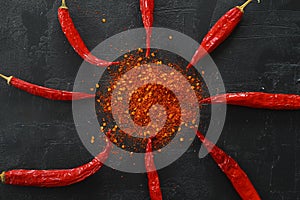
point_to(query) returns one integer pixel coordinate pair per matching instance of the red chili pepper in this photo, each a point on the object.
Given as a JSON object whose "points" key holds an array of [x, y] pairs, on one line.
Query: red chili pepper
{"points": [[219, 32], [75, 40], [230, 167], [147, 9], [257, 100], [44, 92], [153, 179], [55, 178]]}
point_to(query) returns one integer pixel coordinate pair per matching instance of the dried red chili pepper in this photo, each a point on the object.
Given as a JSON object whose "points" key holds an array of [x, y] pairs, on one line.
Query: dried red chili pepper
{"points": [[257, 100], [147, 8], [75, 40], [219, 32], [55, 178], [233, 171], [153, 179], [44, 92]]}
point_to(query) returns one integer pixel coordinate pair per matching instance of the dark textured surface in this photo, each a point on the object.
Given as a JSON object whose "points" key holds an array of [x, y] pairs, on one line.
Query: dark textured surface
{"points": [[261, 55]]}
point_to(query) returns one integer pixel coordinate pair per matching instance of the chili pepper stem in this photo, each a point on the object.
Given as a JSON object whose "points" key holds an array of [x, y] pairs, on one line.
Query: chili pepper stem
{"points": [[63, 4], [8, 79], [242, 7], [2, 177]]}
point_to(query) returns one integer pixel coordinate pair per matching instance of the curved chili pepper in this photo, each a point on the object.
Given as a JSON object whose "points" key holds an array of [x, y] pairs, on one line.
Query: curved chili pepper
{"points": [[75, 40], [55, 178], [257, 100], [233, 171], [147, 8], [153, 179], [44, 92], [219, 32]]}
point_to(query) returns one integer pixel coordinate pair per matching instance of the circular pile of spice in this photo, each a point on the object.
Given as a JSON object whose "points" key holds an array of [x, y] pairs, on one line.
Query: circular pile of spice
{"points": [[145, 100]]}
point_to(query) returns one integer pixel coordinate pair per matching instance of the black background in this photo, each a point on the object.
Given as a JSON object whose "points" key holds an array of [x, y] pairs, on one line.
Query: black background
{"points": [[261, 55]]}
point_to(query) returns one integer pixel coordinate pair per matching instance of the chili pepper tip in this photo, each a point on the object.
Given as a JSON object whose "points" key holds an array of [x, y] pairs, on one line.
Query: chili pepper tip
{"points": [[8, 79], [2, 177], [189, 66], [63, 4], [115, 63], [148, 53]]}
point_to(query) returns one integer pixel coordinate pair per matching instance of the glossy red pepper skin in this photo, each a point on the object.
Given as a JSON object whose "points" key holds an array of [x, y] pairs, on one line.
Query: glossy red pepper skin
{"points": [[48, 93], [75, 40], [232, 170], [153, 178], [217, 34], [55, 178], [257, 100], [147, 9]]}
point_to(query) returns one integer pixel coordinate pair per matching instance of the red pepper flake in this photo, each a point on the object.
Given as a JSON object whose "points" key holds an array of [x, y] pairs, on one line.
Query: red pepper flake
{"points": [[144, 98]]}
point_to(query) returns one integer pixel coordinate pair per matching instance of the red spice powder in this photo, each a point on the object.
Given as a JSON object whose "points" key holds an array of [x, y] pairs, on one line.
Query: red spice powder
{"points": [[143, 99]]}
